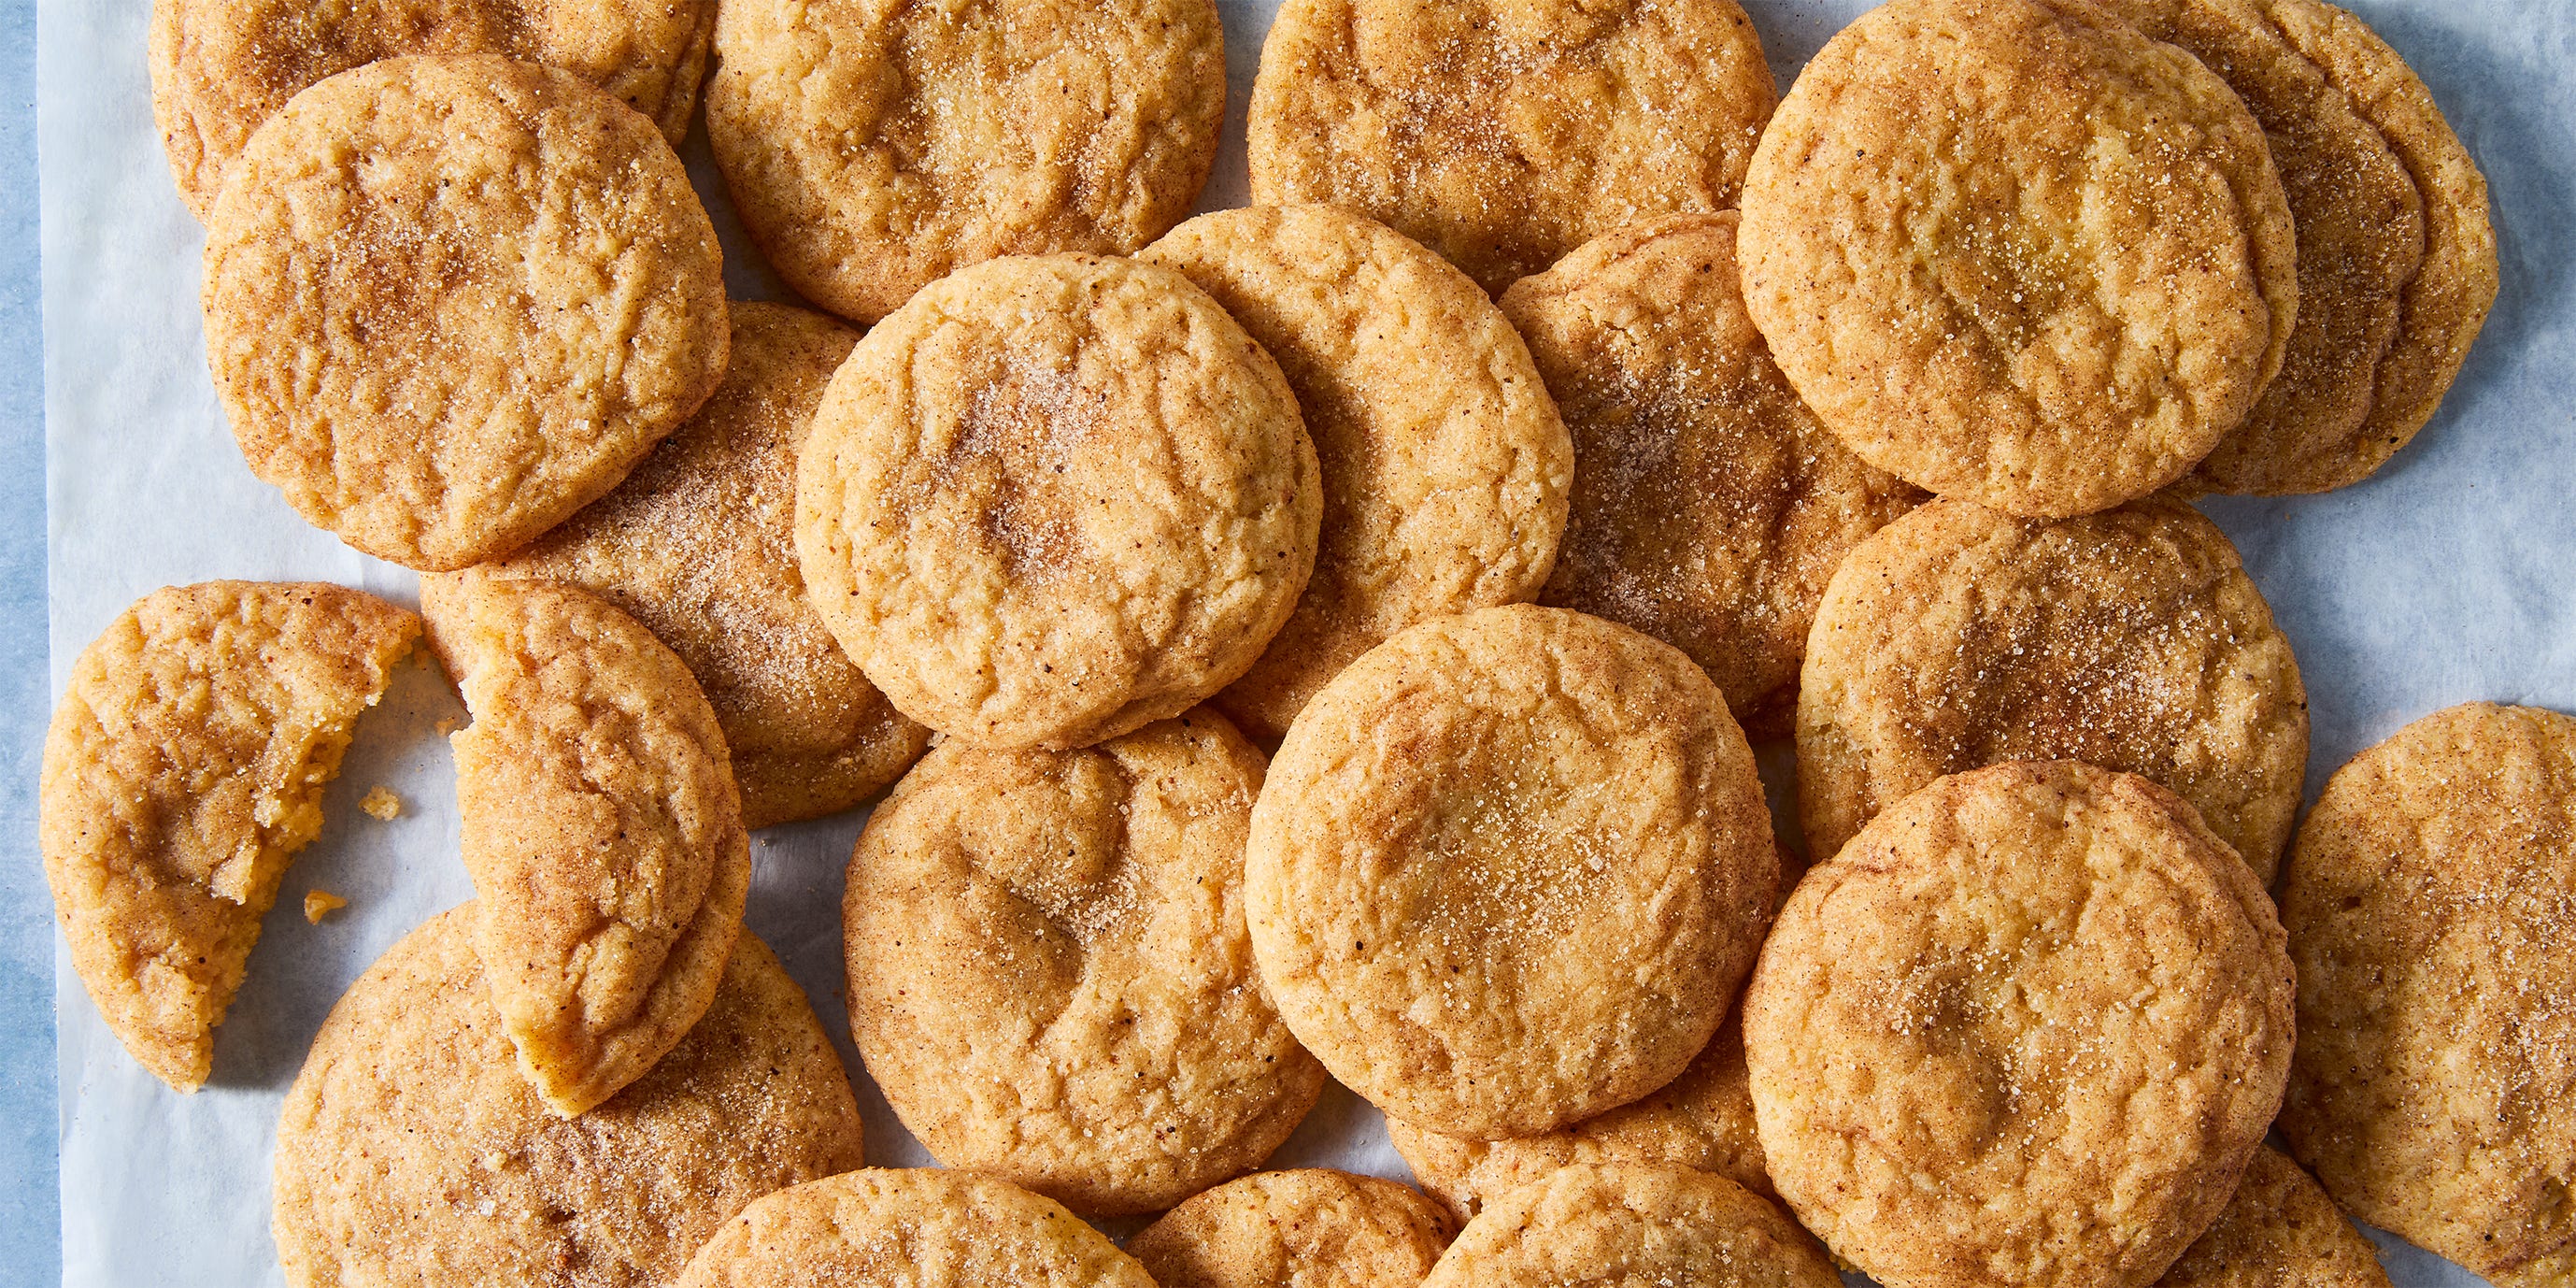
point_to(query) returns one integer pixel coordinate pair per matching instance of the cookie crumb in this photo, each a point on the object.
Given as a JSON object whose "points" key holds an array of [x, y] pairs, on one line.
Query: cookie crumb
{"points": [[446, 725], [322, 903], [381, 804]]}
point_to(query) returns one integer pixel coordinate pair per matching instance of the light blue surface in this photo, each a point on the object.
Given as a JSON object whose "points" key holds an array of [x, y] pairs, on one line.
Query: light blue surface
{"points": [[30, 1239]]}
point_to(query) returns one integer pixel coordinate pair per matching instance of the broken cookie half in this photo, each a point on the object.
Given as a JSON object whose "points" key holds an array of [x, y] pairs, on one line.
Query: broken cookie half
{"points": [[601, 825], [184, 768]]}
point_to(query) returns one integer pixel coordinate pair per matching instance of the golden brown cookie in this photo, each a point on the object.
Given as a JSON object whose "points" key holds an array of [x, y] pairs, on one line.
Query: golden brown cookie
{"points": [[699, 544], [2017, 252], [183, 769], [909, 1228], [2026, 1029], [2397, 262], [2280, 1231], [1311, 1228], [1445, 465], [1504, 133], [411, 1151], [1959, 637], [222, 67], [600, 826], [451, 300], [1055, 499], [1702, 1120], [1710, 506], [1509, 869], [1633, 1225], [2430, 899], [874, 147], [1050, 977]]}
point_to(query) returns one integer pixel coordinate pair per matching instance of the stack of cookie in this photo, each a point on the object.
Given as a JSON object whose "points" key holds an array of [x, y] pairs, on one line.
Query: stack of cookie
{"points": [[1329, 639]]}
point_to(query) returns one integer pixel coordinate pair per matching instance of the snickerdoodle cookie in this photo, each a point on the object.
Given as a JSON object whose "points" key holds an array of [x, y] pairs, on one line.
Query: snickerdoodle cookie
{"points": [[2017, 252], [1633, 1225], [873, 147], [411, 1151], [1710, 506], [1445, 465], [2026, 1029], [1509, 869], [1702, 1119], [2397, 261], [222, 67], [600, 826], [1959, 637], [909, 1228], [1054, 499], [699, 544], [2280, 1231], [1310, 1228], [1050, 976], [2430, 899], [451, 300], [183, 769], [1504, 133]]}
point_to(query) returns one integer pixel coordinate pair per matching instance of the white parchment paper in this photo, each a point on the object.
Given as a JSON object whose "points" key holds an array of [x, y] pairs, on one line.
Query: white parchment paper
{"points": [[2446, 578]]}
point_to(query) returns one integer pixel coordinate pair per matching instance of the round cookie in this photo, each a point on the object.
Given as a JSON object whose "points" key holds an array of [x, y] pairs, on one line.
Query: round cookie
{"points": [[699, 544], [451, 300], [411, 1150], [600, 825], [1701, 1120], [1311, 1228], [1959, 637], [1504, 133], [875, 147], [909, 1228], [1633, 1225], [1710, 506], [1050, 977], [2019, 253], [2026, 1029], [2280, 1231], [222, 67], [2430, 899], [2397, 261], [1445, 466], [182, 771], [1052, 500], [1509, 869]]}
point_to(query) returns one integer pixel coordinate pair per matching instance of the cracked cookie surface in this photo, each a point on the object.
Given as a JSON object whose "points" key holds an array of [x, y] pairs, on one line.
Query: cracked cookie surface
{"points": [[1307, 1228], [1633, 1225], [2280, 1231], [910, 1228]]}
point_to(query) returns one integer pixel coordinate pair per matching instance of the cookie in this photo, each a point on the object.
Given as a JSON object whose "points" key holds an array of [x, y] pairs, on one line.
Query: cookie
{"points": [[1312, 1228], [1053, 500], [1445, 465], [451, 300], [411, 1151], [1503, 135], [1709, 506], [2016, 252], [2280, 1231], [2430, 898], [1509, 869], [699, 545], [183, 769], [1958, 637], [1633, 1225], [2027, 1029], [600, 825], [1701, 1120], [874, 148], [2396, 257], [1050, 977], [909, 1228], [222, 67]]}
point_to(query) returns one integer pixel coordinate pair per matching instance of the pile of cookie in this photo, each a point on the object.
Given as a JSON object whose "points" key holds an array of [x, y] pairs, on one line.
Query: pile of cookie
{"points": [[1322, 639]]}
